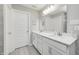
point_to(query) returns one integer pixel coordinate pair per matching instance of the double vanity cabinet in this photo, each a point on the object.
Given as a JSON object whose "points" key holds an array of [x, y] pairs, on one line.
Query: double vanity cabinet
{"points": [[51, 45]]}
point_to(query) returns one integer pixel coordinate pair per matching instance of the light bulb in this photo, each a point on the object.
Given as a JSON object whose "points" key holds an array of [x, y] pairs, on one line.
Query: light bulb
{"points": [[49, 9]]}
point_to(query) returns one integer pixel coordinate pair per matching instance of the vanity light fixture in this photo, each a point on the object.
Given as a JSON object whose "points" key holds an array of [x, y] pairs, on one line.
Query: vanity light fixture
{"points": [[49, 9]]}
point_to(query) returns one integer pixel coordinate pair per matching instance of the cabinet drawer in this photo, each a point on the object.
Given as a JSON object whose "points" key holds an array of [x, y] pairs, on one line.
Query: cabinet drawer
{"points": [[34, 39], [40, 44], [45, 48], [56, 44], [54, 51], [40, 47]]}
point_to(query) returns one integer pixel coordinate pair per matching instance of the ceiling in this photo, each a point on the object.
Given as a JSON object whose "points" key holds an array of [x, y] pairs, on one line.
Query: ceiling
{"points": [[37, 7]]}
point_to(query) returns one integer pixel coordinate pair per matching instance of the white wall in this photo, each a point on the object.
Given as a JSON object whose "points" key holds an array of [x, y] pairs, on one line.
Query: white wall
{"points": [[73, 21], [34, 16], [8, 30], [72, 15], [1, 30], [8, 26]]}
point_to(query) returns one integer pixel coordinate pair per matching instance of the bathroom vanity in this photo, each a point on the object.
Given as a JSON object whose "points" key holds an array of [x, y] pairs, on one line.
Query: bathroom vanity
{"points": [[52, 44]]}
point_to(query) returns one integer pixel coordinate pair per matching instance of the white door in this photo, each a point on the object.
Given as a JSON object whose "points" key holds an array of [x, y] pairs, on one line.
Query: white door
{"points": [[9, 42], [21, 28]]}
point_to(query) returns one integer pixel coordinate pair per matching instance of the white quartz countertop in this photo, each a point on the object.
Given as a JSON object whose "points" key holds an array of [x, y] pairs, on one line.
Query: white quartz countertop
{"points": [[65, 39]]}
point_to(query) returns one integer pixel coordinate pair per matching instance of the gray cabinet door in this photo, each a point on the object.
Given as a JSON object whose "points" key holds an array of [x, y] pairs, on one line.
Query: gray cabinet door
{"points": [[34, 39], [45, 47], [40, 44], [53, 48]]}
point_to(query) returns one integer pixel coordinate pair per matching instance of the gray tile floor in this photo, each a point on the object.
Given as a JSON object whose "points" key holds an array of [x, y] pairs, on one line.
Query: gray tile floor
{"points": [[26, 50]]}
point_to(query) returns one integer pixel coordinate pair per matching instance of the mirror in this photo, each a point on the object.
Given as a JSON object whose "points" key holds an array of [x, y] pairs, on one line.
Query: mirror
{"points": [[55, 20]]}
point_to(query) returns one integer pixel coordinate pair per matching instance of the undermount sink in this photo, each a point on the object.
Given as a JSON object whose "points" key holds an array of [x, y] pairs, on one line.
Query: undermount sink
{"points": [[57, 34], [52, 33]]}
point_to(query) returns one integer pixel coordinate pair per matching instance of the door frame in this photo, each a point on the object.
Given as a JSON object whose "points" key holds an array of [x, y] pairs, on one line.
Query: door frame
{"points": [[29, 27], [5, 8]]}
